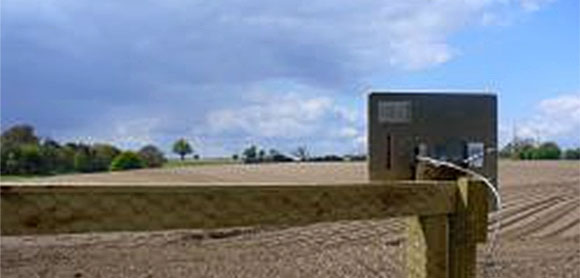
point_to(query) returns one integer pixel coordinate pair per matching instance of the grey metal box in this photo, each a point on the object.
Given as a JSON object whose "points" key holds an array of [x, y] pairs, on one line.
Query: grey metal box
{"points": [[441, 125]]}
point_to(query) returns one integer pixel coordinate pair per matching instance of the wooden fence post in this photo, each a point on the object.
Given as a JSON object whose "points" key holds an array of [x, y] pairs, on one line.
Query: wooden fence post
{"points": [[445, 219], [467, 227], [428, 236], [445, 246], [427, 246]]}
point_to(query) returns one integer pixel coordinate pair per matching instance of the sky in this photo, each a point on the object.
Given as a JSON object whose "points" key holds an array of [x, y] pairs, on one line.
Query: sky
{"points": [[280, 74]]}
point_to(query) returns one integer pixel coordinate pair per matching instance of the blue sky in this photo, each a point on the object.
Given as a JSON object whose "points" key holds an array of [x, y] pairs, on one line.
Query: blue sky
{"points": [[225, 74]]}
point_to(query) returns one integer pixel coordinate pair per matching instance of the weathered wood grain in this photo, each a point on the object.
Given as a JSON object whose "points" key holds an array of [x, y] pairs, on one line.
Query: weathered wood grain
{"points": [[427, 246], [45, 209], [467, 227]]}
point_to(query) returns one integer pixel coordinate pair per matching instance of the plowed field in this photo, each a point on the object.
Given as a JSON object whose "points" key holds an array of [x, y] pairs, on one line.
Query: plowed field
{"points": [[540, 235]]}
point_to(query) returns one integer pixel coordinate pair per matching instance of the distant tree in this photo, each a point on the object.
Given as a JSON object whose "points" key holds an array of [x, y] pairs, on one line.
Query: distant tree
{"points": [[88, 158], [572, 154], [23, 153], [330, 157], [276, 156], [250, 154], [49, 150], [333, 157], [83, 159], [50, 143], [151, 156], [279, 157], [548, 150], [82, 162], [273, 152], [235, 156], [261, 155], [506, 151], [102, 155], [518, 149], [29, 160], [65, 158], [4, 157], [302, 153], [182, 148], [526, 152], [196, 156], [19, 150], [359, 157], [73, 146], [19, 134], [10, 164], [126, 161]]}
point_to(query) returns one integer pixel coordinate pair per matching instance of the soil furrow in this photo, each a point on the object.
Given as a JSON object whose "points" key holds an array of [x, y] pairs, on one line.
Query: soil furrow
{"points": [[508, 212], [527, 212], [540, 220], [567, 222]]}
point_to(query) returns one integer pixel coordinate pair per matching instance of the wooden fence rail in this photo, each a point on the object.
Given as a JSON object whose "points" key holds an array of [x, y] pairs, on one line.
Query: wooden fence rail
{"points": [[446, 219]]}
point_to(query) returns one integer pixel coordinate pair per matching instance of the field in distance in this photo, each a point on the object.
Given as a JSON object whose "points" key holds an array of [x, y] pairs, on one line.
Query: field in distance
{"points": [[510, 173]]}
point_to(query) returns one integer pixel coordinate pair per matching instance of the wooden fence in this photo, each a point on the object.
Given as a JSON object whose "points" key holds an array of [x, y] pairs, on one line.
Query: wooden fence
{"points": [[446, 218]]}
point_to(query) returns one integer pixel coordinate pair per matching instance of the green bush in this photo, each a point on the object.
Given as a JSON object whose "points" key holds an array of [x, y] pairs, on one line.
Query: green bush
{"points": [[572, 154], [548, 150], [26, 160], [126, 161], [103, 155], [20, 153], [65, 160], [82, 161]]}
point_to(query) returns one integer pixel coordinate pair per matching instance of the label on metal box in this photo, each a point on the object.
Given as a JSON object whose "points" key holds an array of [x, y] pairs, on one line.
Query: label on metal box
{"points": [[394, 111], [475, 154]]}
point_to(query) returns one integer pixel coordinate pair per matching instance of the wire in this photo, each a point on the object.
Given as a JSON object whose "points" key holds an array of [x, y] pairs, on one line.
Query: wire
{"points": [[478, 155], [476, 175], [497, 227]]}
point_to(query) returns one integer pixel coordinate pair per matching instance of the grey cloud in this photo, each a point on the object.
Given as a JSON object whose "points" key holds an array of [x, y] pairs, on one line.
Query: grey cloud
{"points": [[81, 67]]}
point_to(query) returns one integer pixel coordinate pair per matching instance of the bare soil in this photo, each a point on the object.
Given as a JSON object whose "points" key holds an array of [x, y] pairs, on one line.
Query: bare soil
{"points": [[540, 235], [275, 172]]}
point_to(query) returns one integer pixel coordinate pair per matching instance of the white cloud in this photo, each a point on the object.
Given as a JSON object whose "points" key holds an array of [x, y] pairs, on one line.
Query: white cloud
{"points": [[361, 143], [505, 134], [191, 64], [415, 55], [135, 132], [284, 121], [348, 132], [557, 118], [288, 115], [533, 5], [566, 108], [126, 133]]}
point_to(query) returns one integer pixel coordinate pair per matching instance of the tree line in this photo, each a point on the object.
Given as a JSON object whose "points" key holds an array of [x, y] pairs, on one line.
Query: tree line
{"points": [[254, 154], [527, 149], [22, 152]]}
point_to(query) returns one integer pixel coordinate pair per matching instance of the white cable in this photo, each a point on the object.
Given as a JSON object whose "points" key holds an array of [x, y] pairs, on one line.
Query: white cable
{"points": [[478, 155], [467, 171], [478, 176]]}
